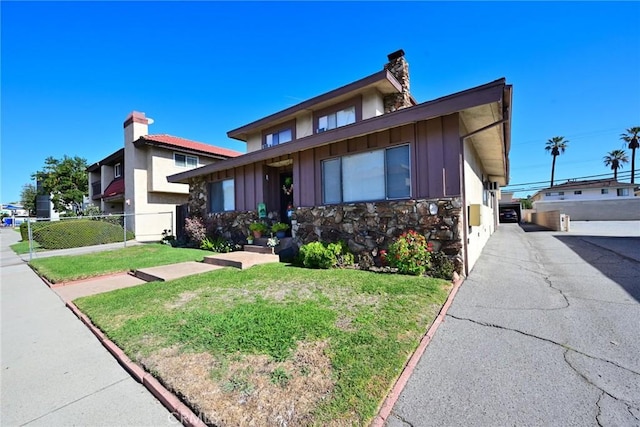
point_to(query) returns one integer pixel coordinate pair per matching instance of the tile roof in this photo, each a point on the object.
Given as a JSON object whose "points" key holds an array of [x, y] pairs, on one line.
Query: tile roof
{"points": [[115, 188], [175, 141]]}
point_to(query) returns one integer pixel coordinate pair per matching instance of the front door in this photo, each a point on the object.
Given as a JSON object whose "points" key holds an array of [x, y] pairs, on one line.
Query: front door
{"points": [[286, 196]]}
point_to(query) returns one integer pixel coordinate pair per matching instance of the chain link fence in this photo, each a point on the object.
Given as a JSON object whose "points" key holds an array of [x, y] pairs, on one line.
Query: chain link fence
{"points": [[94, 232]]}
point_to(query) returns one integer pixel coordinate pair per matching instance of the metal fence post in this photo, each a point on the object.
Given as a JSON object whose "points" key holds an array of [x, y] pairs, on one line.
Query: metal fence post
{"points": [[124, 228]]}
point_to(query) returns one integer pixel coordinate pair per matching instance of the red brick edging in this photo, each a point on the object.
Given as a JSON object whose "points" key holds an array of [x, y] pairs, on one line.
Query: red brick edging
{"points": [[394, 394], [178, 409]]}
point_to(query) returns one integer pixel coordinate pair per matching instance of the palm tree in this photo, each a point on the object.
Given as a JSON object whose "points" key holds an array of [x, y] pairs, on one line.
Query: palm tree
{"points": [[631, 137], [616, 159], [556, 145]]}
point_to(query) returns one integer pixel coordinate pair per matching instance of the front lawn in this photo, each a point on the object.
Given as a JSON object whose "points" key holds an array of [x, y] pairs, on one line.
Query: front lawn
{"points": [[74, 267], [274, 344]]}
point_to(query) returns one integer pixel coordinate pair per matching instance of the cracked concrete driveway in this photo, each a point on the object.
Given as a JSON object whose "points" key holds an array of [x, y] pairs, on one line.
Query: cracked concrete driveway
{"points": [[544, 331]]}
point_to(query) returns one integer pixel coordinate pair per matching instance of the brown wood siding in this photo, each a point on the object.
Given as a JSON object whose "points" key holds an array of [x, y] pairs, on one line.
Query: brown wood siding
{"points": [[452, 155], [307, 179]]}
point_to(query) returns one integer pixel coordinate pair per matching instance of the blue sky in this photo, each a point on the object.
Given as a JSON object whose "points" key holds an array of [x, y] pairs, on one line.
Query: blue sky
{"points": [[72, 72]]}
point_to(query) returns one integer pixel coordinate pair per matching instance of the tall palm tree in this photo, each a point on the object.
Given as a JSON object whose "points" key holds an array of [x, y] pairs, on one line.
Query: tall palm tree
{"points": [[556, 146], [631, 137], [616, 159]]}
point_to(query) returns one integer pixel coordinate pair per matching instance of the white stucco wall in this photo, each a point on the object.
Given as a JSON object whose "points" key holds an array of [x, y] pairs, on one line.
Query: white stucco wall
{"points": [[477, 236], [587, 194], [372, 104]]}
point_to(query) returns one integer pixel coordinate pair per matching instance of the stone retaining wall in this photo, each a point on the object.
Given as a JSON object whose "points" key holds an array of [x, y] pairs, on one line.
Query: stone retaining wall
{"points": [[369, 227]]}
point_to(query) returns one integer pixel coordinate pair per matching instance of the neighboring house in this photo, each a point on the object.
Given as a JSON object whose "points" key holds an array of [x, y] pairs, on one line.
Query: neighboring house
{"points": [[368, 162], [507, 201], [595, 200], [133, 180]]}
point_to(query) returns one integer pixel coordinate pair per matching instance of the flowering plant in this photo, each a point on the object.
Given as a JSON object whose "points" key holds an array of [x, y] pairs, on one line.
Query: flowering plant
{"points": [[288, 186], [410, 254], [273, 241]]}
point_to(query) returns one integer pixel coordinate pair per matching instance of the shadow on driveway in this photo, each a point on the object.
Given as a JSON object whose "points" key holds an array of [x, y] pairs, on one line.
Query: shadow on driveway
{"points": [[615, 257]]}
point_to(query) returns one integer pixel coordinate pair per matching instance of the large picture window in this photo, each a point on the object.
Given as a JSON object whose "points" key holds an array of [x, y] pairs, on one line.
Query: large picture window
{"points": [[375, 175], [222, 196]]}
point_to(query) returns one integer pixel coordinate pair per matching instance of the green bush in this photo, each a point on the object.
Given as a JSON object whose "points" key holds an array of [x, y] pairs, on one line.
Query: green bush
{"points": [[24, 228], [441, 266], [77, 233], [217, 244], [410, 254], [319, 255]]}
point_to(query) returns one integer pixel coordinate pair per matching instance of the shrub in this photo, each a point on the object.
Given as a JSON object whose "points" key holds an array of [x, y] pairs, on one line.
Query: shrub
{"points": [[441, 266], [410, 254], [24, 228], [217, 244], [196, 230], [77, 233], [318, 255], [258, 226]]}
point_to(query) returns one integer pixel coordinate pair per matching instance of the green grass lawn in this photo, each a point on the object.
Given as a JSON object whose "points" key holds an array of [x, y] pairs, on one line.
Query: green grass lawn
{"points": [[74, 267], [22, 247], [274, 343]]}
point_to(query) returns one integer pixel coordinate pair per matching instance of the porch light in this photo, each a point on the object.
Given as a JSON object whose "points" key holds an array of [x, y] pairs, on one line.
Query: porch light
{"points": [[433, 208]]}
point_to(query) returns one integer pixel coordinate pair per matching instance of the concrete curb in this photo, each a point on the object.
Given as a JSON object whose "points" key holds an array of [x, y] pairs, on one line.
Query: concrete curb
{"points": [[394, 394], [178, 409]]}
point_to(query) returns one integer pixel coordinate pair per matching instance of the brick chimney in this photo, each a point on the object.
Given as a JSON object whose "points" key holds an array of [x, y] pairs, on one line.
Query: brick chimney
{"points": [[399, 67], [136, 125]]}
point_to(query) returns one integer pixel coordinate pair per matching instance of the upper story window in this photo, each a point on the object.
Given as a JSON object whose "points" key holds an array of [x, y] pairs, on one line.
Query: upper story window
{"points": [[276, 138], [279, 134], [339, 118], [338, 115], [375, 175], [184, 161], [117, 170]]}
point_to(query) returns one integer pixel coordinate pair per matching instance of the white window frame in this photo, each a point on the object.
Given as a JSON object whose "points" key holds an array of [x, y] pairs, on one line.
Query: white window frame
{"points": [[117, 170], [622, 192], [604, 191], [276, 138], [187, 157]]}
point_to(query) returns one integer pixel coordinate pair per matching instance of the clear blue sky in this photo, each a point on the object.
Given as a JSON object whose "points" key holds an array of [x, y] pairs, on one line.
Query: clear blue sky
{"points": [[72, 72]]}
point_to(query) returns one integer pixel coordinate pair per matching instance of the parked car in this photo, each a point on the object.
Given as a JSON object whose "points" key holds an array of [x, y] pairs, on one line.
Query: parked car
{"points": [[508, 215]]}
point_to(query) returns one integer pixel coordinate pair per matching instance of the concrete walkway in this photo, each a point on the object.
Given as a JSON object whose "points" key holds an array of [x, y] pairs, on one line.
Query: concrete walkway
{"points": [[544, 331], [54, 371]]}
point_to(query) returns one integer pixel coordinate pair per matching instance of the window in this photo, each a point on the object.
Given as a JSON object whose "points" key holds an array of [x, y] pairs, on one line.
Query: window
{"points": [[604, 191], [622, 191], [276, 138], [375, 175], [560, 193], [335, 120], [547, 194], [577, 192], [117, 170], [184, 161], [222, 196]]}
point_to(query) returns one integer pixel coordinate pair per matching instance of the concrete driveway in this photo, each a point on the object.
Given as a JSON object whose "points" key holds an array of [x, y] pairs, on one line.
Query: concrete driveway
{"points": [[544, 331]]}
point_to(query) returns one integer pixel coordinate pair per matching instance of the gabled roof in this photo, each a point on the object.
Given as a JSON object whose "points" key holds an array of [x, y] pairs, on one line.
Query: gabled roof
{"points": [[383, 81], [496, 94], [170, 141]]}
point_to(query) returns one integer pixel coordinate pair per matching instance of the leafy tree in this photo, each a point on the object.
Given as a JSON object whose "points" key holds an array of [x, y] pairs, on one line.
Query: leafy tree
{"points": [[28, 198], [631, 137], [66, 180], [526, 203], [556, 146], [616, 159]]}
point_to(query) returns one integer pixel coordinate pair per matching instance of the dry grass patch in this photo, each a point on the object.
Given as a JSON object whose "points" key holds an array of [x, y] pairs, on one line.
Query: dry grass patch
{"points": [[248, 389]]}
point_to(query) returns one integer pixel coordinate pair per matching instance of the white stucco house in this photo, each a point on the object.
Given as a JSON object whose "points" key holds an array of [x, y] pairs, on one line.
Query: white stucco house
{"points": [[133, 179], [590, 200]]}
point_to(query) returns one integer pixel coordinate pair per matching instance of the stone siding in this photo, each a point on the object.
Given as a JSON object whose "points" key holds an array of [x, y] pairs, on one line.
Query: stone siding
{"points": [[369, 227]]}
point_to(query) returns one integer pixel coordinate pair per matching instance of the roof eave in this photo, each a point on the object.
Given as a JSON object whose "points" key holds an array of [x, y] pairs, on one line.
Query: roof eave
{"points": [[384, 75], [144, 141], [488, 93]]}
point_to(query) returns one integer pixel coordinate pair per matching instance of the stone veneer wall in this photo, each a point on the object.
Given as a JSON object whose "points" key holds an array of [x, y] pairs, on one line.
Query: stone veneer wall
{"points": [[369, 227], [197, 201], [399, 67]]}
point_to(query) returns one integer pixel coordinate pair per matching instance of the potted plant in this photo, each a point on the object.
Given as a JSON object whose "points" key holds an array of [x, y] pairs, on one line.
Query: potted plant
{"points": [[280, 229], [258, 228], [250, 239]]}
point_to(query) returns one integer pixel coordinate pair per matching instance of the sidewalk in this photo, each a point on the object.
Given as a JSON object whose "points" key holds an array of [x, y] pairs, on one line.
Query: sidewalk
{"points": [[54, 371]]}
